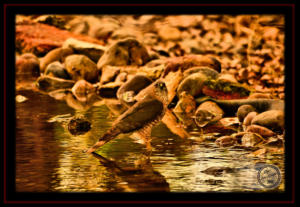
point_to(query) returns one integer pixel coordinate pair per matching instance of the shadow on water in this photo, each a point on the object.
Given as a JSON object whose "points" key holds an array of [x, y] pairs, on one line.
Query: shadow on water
{"points": [[49, 158]]}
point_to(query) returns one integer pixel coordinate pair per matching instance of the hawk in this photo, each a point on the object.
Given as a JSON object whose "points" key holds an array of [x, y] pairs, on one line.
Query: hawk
{"points": [[141, 117]]}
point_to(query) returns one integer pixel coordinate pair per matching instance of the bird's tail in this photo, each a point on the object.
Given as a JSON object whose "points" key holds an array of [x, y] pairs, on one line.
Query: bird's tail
{"points": [[109, 135]]}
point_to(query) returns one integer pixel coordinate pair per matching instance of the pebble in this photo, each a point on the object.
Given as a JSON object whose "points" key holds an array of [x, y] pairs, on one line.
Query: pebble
{"points": [[243, 111], [56, 69]]}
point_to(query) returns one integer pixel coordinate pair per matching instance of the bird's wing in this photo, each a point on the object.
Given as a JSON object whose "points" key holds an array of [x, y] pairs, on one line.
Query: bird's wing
{"points": [[139, 115]]}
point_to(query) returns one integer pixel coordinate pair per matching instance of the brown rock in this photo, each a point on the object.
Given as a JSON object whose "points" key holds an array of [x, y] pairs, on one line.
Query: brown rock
{"points": [[248, 119], [250, 140], [40, 38], [48, 83], [124, 52], [263, 131], [272, 119], [226, 141], [81, 67], [28, 64], [185, 62], [82, 89], [243, 111], [57, 54]]}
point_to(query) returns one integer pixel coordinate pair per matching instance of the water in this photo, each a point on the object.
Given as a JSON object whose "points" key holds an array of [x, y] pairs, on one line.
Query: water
{"points": [[50, 159]]}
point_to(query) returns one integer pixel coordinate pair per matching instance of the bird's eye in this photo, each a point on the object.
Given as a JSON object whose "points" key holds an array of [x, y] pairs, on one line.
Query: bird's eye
{"points": [[161, 85]]}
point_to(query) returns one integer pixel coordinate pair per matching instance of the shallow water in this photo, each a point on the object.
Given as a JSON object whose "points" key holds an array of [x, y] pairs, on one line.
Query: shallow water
{"points": [[49, 158]]}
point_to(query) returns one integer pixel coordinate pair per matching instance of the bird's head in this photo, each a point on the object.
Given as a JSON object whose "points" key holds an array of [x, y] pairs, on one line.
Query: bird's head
{"points": [[161, 90]]}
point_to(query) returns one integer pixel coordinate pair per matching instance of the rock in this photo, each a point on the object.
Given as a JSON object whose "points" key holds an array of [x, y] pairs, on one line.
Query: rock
{"points": [[243, 111], [48, 83], [40, 38], [248, 119], [91, 50], [28, 64], [20, 98], [272, 119], [192, 84], [185, 109], [259, 95], [78, 125], [81, 67], [124, 52], [122, 77], [250, 140], [227, 78], [209, 72], [263, 131], [208, 112], [109, 90], [57, 54], [188, 61], [226, 141], [109, 73], [135, 85], [82, 89], [169, 33], [56, 69], [225, 90]]}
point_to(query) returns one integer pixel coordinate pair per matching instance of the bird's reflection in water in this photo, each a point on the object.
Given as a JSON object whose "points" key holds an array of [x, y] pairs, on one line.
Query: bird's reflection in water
{"points": [[142, 178]]}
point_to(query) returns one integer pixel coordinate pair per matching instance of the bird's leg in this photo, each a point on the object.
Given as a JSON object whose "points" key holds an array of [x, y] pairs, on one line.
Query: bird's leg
{"points": [[145, 135]]}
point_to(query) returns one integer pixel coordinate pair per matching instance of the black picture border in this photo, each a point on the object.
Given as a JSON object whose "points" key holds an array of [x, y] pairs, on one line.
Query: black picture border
{"points": [[10, 196]]}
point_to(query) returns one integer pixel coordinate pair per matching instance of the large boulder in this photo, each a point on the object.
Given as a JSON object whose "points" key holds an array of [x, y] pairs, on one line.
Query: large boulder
{"points": [[91, 50], [272, 119], [57, 69], [124, 52], [81, 67]]}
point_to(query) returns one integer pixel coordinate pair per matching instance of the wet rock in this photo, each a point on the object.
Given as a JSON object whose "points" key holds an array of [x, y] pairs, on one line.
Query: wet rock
{"points": [[274, 142], [225, 90], [79, 125], [263, 131], [248, 119], [250, 140], [243, 111], [188, 61], [135, 84], [226, 141], [208, 112], [185, 109], [20, 98], [218, 171], [169, 33], [91, 50], [49, 83], [40, 38], [56, 69], [192, 84], [259, 95], [209, 72], [57, 54], [109, 73], [28, 64], [122, 77], [109, 90], [82, 89], [272, 119], [81, 67], [124, 52], [227, 78]]}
